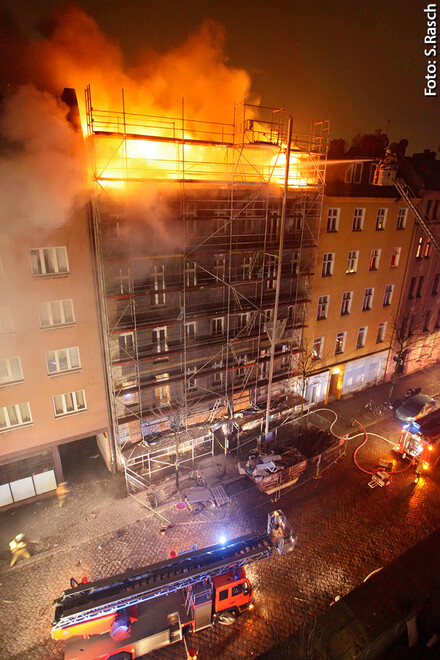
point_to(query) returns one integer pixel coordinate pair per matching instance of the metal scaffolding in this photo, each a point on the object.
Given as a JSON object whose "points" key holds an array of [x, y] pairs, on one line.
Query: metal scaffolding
{"points": [[193, 260]]}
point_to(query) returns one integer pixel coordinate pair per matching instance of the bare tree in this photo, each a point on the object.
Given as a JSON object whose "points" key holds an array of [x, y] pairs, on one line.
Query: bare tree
{"points": [[407, 330]]}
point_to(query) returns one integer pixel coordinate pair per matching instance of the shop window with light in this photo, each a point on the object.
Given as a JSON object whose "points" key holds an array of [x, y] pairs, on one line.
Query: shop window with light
{"points": [[361, 337], [323, 304], [388, 296], [10, 371], [62, 360], [381, 219], [374, 259], [419, 248], [328, 262], [428, 248], [49, 261], [159, 284], [395, 257], [381, 330], [368, 299], [347, 298], [358, 219], [435, 284], [352, 261], [56, 313], [340, 342], [67, 404], [333, 220], [317, 348], [401, 218], [15, 416]]}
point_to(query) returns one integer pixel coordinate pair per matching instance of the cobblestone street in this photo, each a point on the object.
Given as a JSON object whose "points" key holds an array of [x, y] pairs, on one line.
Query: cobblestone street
{"points": [[345, 531]]}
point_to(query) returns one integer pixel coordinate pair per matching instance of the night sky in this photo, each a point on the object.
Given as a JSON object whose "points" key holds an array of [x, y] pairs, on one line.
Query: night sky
{"points": [[360, 64]]}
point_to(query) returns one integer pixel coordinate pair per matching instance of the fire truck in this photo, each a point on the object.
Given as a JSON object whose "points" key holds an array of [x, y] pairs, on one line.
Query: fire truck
{"points": [[421, 439], [131, 614]]}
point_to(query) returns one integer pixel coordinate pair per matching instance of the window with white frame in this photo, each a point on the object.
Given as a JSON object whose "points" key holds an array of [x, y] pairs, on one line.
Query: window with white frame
{"points": [[122, 279], [159, 284], [328, 262], [217, 376], [271, 269], [354, 173], [126, 344], [401, 218], [217, 326], [55, 313], [323, 304], [333, 219], [317, 348], [347, 298], [15, 416], [381, 219], [64, 359], [6, 321], [374, 259], [190, 274], [162, 391], [69, 403], [395, 257], [361, 337], [352, 261], [358, 219], [190, 378], [340, 342], [159, 337], [219, 268], [381, 331], [246, 267], [190, 330], [10, 371], [388, 296], [368, 299], [49, 261], [243, 320]]}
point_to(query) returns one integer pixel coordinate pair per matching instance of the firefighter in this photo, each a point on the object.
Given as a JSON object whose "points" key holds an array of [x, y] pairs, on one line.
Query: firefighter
{"points": [[18, 549], [62, 492], [419, 470]]}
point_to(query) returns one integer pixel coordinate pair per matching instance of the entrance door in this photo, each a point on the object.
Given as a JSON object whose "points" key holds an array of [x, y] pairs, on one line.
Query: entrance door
{"points": [[334, 380]]}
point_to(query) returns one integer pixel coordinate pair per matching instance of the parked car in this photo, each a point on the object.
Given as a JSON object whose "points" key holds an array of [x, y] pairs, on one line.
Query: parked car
{"points": [[414, 407]]}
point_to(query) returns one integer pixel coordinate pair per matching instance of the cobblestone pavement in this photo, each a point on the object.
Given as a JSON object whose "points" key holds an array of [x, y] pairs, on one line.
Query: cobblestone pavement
{"points": [[345, 531]]}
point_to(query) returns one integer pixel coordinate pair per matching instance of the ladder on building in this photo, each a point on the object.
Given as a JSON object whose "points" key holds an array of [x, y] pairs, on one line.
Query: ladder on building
{"points": [[216, 406], [408, 195]]}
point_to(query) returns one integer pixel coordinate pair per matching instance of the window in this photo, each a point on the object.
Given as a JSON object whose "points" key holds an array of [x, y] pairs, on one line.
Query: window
{"points": [[420, 287], [428, 248], [190, 331], [323, 307], [237, 590], [65, 359], [328, 262], [218, 375], [67, 404], [126, 344], [358, 219], [412, 287], [401, 218], [368, 300], [223, 594], [217, 326], [243, 320], [219, 268], [437, 320], [361, 338], [317, 348], [380, 219], [388, 295], [333, 219], [395, 257], [352, 261], [190, 378], [340, 342], [6, 322], [426, 321], [434, 291], [55, 313], [271, 273], [347, 298], [374, 259], [159, 285], [354, 173], [190, 274], [14, 416], [246, 267], [159, 336], [49, 261], [162, 392], [10, 371], [381, 330], [419, 248]]}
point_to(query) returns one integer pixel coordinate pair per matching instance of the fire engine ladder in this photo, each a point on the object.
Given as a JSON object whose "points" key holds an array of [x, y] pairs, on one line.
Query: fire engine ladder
{"points": [[106, 597], [407, 194]]}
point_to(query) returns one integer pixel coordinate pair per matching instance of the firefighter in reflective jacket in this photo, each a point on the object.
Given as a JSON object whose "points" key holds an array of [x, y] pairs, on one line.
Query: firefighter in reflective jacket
{"points": [[62, 492], [18, 549]]}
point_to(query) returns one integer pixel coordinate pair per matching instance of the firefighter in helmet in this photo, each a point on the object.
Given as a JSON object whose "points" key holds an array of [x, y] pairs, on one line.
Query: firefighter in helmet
{"points": [[62, 492], [18, 549]]}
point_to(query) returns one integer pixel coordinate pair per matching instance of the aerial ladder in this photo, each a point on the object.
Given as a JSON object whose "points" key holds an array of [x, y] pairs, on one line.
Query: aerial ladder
{"points": [[129, 615], [386, 175]]}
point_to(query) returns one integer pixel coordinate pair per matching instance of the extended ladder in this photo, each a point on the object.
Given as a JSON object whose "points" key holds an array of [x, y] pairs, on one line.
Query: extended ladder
{"points": [[407, 194]]}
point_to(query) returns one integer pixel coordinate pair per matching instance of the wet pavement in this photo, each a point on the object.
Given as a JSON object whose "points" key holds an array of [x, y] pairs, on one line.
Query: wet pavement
{"points": [[345, 531]]}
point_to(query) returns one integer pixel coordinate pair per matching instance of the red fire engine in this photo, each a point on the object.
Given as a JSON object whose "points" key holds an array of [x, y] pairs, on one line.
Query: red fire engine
{"points": [[421, 439], [131, 614]]}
